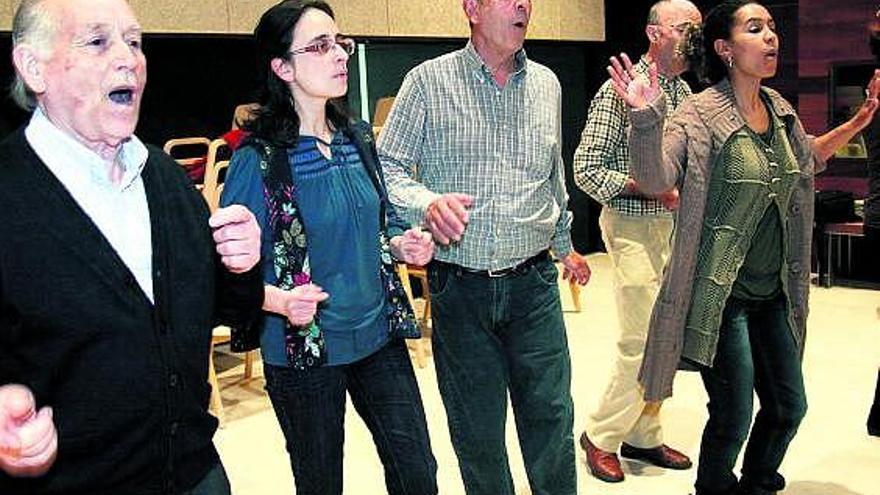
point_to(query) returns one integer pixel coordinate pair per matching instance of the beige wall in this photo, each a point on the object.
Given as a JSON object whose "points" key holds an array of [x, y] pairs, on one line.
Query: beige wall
{"points": [[5, 15], [552, 19]]}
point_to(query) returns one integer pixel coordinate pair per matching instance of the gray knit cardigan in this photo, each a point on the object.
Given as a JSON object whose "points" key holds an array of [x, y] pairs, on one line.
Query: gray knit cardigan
{"points": [[692, 139]]}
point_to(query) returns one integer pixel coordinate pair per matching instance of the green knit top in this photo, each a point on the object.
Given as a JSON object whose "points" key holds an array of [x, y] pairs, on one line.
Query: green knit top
{"points": [[741, 249]]}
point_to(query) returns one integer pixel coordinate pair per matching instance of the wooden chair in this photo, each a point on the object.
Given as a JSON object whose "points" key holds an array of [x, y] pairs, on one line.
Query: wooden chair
{"points": [[575, 289], [214, 172], [420, 347], [189, 152], [213, 187], [380, 114], [383, 108]]}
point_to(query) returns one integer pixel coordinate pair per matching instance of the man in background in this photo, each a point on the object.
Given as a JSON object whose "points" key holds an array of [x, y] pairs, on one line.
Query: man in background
{"points": [[637, 231]]}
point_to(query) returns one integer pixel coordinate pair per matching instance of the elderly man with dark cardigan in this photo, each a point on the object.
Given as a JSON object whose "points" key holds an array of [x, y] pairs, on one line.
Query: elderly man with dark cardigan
{"points": [[110, 280]]}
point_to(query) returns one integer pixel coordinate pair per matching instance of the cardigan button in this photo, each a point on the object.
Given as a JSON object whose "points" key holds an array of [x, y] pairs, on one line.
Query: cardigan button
{"points": [[173, 379]]}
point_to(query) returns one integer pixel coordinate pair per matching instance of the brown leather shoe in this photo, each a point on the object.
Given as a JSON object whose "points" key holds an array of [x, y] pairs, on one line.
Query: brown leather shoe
{"points": [[603, 465], [663, 456]]}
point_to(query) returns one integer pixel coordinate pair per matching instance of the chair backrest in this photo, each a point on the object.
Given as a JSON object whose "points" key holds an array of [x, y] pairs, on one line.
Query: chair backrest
{"points": [[218, 154], [214, 177], [191, 153], [380, 114]]}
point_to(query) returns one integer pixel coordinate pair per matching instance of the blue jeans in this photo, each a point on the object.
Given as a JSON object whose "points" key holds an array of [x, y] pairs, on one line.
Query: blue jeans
{"points": [[214, 483], [492, 336], [310, 407], [756, 352]]}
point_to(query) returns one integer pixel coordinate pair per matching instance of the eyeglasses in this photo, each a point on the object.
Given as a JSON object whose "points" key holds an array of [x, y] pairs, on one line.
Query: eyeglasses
{"points": [[323, 46], [680, 28]]}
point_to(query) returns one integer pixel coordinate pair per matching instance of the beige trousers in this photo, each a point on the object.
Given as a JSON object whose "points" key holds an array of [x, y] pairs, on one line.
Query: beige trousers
{"points": [[638, 247]]}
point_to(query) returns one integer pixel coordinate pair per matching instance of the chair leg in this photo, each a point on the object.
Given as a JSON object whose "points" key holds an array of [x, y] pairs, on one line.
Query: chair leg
{"points": [[575, 294], [216, 403], [249, 364], [426, 294]]}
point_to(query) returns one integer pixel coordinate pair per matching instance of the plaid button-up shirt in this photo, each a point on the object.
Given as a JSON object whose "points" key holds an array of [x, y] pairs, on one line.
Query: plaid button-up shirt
{"points": [[601, 161], [453, 129]]}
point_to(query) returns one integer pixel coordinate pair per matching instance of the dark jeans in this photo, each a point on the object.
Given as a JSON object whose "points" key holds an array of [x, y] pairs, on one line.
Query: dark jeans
{"points": [[214, 483], [310, 406], [756, 352], [491, 336], [874, 414]]}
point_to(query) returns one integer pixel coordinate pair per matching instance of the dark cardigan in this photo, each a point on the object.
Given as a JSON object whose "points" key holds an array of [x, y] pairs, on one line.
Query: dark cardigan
{"points": [[127, 379]]}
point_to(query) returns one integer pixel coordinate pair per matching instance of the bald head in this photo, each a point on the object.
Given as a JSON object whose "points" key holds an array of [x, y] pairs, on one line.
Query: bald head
{"points": [[669, 25], [662, 6]]}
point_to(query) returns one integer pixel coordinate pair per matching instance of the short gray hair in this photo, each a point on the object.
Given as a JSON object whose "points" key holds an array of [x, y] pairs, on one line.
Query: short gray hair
{"points": [[35, 25]]}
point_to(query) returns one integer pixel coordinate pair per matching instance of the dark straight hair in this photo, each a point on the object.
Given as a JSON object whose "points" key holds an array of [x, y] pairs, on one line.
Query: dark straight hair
{"points": [[276, 119], [717, 26]]}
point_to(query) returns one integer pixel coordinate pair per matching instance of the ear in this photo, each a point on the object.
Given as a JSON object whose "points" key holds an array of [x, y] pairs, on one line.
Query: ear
{"points": [[470, 9], [283, 69], [653, 33], [722, 48], [29, 67]]}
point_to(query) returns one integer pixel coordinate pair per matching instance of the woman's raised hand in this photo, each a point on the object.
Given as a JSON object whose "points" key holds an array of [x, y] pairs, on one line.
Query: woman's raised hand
{"points": [[865, 114], [636, 90]]}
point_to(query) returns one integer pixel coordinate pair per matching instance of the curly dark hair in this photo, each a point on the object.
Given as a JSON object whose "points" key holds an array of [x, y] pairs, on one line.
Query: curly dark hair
{"points": [[717, 26], [276, 119]]}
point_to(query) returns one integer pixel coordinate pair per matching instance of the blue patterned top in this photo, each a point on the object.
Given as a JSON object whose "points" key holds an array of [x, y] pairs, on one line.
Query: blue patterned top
{"points": [[340, 209]]}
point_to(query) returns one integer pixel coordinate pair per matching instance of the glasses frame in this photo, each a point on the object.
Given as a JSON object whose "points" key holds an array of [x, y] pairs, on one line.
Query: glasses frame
{"points": [[680, 28], [325, 45]]}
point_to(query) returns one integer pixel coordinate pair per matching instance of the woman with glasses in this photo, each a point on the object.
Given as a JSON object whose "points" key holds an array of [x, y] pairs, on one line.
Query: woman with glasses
{"points": [[733, 302], [336, 314]]}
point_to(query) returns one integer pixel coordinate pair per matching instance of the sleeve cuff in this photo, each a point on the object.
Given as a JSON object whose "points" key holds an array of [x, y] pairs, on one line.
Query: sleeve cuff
{"points": [[650, 115]]}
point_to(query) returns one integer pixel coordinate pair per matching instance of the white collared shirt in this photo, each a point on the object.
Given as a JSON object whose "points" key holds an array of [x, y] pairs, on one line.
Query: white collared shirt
{"points": [[120, 211]]}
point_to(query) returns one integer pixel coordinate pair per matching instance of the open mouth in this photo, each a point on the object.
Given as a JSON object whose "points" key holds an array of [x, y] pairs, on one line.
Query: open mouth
{"points": [[520, 24], [122, 96]]}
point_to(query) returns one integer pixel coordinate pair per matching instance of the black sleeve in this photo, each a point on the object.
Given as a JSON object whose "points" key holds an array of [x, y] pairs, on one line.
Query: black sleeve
{"points": [[239, 296]]}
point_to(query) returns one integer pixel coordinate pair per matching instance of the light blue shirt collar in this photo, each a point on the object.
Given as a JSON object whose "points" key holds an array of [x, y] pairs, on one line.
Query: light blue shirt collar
{"points": [[74, 164]]}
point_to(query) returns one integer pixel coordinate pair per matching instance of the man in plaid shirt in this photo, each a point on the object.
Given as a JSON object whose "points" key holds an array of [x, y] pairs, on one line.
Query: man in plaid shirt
{"points": [[482, 127], [637, 231]]}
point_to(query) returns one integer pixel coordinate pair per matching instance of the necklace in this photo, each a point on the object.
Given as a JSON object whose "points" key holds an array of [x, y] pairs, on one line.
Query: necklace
{"points": [[320, 140]]}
